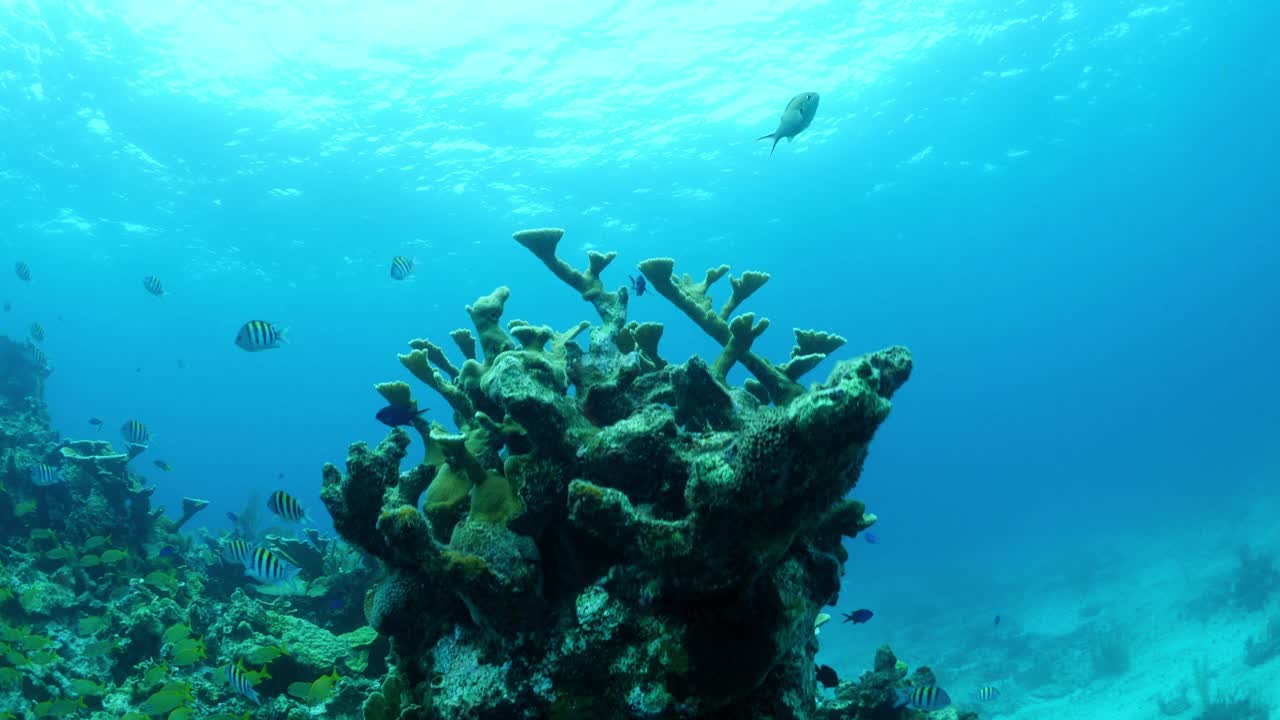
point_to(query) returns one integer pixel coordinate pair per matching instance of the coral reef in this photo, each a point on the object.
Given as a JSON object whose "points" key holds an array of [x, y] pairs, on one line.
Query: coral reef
{"points": [[107, 611], [1256, 579], [1263, 648], [610, 534]]}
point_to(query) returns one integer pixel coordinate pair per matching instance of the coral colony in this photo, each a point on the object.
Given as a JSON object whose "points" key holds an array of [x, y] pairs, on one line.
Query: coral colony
{"points": [[608, 534]]}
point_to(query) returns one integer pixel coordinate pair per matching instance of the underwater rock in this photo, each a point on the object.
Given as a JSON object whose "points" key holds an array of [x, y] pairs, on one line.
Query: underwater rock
{"points": [[609, 534]]}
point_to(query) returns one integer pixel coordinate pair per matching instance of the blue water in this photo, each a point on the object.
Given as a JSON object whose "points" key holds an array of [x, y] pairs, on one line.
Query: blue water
{"points": [[1066, 209]]}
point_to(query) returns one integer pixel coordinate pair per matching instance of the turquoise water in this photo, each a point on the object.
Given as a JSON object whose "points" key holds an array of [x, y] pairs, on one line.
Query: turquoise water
{"points": [[1066, 209]]}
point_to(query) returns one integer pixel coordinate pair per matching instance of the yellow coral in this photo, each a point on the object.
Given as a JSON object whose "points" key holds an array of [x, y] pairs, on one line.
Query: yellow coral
{"points": [[493, 501]]}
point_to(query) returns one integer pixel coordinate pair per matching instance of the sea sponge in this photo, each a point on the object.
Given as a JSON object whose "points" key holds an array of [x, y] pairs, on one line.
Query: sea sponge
{"points": [[493, 501]]}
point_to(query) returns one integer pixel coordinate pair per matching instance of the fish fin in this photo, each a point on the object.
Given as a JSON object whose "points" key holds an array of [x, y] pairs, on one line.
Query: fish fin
{"points": [[283, 335], [765, 137], [775, 146]]}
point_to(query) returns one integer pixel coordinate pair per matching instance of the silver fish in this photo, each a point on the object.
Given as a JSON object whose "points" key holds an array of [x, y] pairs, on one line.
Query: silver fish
{"points": [[795, 118]]}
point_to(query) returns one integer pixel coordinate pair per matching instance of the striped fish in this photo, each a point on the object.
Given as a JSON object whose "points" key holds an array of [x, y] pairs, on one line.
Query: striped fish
{"points": [[238, 551], [37, 331], [24, 272], [401, 267], [987, 693], [37, 356], [241, 683], [135, 433], [258, 335], [45, 475], [286, 506], [264, 566], [153, 285], [928, 697]]}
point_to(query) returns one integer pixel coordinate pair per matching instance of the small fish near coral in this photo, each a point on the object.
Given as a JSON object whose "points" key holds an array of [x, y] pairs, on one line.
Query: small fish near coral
{"points": [[286, 506], [23, 271], [163, 466], [858, 616], [827, 676], [794, 120], [928, 697], [871, 538], [398, 415], [259, 335], [135, 433], [638, 285], [987, 693], [96, 422]]}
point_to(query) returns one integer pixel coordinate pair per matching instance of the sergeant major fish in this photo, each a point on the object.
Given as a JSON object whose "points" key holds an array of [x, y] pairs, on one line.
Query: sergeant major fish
{"points": [[401, 267], [795, 118], [135, 433], [265, 567], [153, 285], [239, 681], [286, 506], [928, 697], [257, 335], [23, 271]]}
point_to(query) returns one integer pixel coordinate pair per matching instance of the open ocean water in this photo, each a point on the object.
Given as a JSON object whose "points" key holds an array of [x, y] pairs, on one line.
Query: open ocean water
{"points": [[1069, 211]]}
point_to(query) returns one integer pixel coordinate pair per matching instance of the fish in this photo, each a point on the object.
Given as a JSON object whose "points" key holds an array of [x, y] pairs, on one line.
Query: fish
{"points": [[265, 567], [96, 542], [23, 270], [113, 556], [86, 687], [26, 507], [397, 415], [36, 356], [155, 675], [152, 284], [237, 550], [266, 654], [167, 551], [315, 693], [401, 267], [45, 475], [100, 648], [827, 676], [258, 335], [175, 633], [8, 306], [90, 625], [795, 119], [928, 697], [189, 652], [987, 693], [135, 433], [997, 622], [37, 332], [163, 465], [858, 616], [871, 538], [286, 506], [638, 285], [241, 683], [96, 422]]}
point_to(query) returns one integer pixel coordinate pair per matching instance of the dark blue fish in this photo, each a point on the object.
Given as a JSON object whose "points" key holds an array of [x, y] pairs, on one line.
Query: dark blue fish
{"points": [[96, 422], [997, 622], [396, 415], [8, 306], [858, 616], [638, 285], [827, 676], [871, 538], [168, 551], [335, 604]]}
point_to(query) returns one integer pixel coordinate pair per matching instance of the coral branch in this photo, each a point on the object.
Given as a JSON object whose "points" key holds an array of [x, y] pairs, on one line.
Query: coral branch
{"points": [[743, 288]]}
